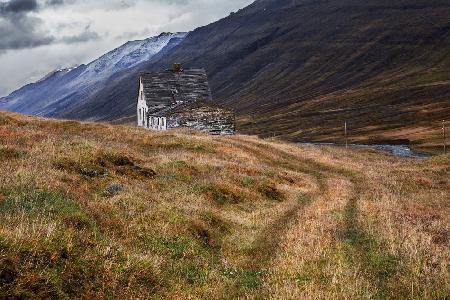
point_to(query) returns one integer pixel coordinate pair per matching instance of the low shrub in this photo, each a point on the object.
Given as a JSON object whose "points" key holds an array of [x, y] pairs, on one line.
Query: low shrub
{"points": [[5, 120], [223, 195], [270, 191], [8, 153], [103, 164], [86, 169]]}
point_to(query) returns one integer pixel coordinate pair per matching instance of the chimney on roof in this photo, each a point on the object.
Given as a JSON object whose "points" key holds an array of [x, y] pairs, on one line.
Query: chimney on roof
{"points": [[177, 68]]}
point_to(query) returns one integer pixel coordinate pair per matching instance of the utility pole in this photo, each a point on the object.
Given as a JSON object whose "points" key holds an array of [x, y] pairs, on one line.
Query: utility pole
{"points": [[444, 140], [346, 136]]}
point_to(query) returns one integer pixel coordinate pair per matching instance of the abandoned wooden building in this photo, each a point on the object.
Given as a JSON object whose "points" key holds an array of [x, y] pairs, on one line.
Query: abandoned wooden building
{"points": [[177, 98]]}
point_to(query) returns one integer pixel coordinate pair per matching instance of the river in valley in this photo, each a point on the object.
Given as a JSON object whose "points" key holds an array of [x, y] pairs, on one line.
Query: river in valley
{"points": [[397, 150]]}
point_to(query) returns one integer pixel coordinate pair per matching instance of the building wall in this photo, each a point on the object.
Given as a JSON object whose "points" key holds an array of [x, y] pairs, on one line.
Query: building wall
{"points": [[157, 123], [214, 121]]}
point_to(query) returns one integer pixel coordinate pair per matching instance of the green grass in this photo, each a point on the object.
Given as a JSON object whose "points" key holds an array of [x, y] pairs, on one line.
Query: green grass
{"points": [[377, 262], [37, 203], [67, 263], [314, 271]]}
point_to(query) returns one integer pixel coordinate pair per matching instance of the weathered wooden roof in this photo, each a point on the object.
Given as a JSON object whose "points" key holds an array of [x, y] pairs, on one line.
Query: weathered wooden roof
{"points": [[166, 89]]}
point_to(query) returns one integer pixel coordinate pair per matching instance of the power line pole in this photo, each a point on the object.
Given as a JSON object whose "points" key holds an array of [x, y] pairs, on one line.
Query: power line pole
{"points": [[444, 140]]}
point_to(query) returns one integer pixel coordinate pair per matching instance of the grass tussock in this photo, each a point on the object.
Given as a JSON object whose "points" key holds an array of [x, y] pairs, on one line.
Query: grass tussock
{"points": [[102, 165], [98, 211], [10, 153], [270, 191]]}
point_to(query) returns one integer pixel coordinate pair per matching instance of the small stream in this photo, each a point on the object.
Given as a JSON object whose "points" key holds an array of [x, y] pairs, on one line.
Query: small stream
{"points": [[397, 150]]}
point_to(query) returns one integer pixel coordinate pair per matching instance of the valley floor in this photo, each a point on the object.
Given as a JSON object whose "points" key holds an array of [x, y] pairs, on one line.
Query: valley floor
{"points": [[101, 211]]}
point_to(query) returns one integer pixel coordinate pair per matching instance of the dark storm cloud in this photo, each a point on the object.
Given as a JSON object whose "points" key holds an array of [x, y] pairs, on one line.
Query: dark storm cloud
{"points": [[17, 7], [20, 33], [20, 30]]}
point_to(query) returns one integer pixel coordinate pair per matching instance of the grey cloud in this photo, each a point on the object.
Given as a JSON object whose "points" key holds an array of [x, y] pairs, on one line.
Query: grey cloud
{"points": [[17, 7], [86, 36], [20, 33], [128, 35], [18, 30], [113, 5], [54, 2]]}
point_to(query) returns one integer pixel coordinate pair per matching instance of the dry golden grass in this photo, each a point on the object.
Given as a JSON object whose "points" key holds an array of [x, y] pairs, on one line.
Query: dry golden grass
{"points": [[214, 217]]}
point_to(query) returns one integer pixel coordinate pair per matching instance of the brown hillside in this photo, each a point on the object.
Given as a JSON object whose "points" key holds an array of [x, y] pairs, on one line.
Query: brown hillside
{"points": [[94, 211]]}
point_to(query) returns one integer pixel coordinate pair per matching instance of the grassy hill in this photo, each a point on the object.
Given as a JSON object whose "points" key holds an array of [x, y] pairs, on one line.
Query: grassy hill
{"points": [[101, 211]]}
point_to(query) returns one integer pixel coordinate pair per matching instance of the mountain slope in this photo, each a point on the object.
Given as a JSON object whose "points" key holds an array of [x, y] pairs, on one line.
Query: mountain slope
{"points": [[32, 97], [109, 102], [95, 211], [62, 89], [300, 68]]}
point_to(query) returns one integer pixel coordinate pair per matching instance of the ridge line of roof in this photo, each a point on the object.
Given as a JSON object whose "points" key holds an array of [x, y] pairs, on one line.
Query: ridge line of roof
{"points": [[169, 70]]}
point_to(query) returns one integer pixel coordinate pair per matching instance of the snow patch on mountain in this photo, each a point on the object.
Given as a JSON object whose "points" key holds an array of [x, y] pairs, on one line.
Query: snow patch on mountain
{"points": [[126, 56], [67, 86], [59, 72]]}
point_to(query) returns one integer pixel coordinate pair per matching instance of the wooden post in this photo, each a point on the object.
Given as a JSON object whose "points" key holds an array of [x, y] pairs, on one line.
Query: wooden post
{"points": [[346, 136], [444, 140]]}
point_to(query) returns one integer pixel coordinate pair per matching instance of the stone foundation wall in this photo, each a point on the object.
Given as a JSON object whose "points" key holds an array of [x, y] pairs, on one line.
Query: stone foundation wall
{"points": [[215, 121]]}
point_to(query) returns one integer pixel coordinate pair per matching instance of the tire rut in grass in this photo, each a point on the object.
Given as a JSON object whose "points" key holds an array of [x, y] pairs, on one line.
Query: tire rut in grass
{"points": [[284, 161], [380, 266], [268, 241], [363, 249], [265, 246]]}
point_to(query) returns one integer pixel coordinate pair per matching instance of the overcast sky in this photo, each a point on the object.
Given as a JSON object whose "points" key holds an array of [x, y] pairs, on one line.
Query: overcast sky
{"points": [[38, 36]]}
